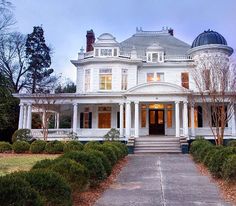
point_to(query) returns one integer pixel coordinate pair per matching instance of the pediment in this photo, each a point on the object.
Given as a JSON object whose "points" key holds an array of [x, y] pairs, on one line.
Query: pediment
{"points": [[157, 88]]}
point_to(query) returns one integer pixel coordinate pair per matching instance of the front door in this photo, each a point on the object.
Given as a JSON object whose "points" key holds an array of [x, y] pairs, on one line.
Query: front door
{"points": [[156, 122]]}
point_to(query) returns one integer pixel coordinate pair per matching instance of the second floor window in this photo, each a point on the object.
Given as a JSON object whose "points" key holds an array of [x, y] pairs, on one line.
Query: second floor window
{"points": [[155, 77], [124, 79], [105, 78], [87, 80], [185, 80]]}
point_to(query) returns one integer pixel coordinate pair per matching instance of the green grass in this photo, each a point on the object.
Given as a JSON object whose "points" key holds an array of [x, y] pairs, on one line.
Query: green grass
{"points": [[23, 162]]}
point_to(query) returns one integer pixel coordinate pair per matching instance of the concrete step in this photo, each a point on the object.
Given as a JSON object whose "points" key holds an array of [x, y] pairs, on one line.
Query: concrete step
{"points": [[156, 151], [157, 140], [157, 143]]}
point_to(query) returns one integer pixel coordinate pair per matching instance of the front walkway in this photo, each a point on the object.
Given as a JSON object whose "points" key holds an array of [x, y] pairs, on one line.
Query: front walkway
{"points": [[167, 179]]}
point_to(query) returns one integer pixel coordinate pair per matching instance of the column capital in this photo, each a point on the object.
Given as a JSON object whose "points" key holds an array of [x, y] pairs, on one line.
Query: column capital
{"points": [[121, 103], [185, 102], [136, 102], [128, 102], [75, 104], [21, 104], [29, 104], [176, 102]]}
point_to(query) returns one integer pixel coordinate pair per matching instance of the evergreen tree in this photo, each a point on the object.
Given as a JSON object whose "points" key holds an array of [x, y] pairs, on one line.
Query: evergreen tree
{"points": [[39, 60]]}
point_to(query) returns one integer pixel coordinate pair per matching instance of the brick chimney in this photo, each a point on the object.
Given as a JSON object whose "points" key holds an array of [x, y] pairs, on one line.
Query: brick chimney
{"points": [[90, 40], [171, 31]]}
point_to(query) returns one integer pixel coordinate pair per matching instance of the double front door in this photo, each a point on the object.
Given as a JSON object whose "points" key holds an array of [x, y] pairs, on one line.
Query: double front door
{"points": [[156, 122]]}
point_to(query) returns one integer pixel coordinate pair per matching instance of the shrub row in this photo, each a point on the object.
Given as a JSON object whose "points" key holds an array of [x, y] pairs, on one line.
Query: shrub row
{"points": [[51, 182], [220, 160], [40, 146]]}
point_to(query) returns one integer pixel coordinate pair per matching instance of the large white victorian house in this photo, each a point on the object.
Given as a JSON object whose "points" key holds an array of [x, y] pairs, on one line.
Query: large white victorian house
{"points": [[141, 86]]}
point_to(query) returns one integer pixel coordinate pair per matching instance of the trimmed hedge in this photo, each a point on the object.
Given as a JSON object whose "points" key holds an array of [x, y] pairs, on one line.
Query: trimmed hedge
{"points": [[105, 161], [73, 146], [232, 143], [37, 146], [5, 147], [75, 174], [16, 191], [43, 164], [22, 135], [93, 163], [229, 168], [20, 146], [220, 160], [217, 160], [54, 147], [52, 187], [92, 145], [109, 153]]}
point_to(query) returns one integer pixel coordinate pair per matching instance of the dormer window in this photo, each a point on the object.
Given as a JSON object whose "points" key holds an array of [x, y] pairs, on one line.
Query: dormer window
{"points": [[155, 53], [106, 52]]}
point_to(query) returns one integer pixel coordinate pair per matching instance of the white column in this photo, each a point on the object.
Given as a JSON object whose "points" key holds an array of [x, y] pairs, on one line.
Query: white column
{"points": [[58, 120], [29, 116], [233, 122], [192, 120], [25, 117], [185, 118], [177, 123], [75, 112], [127, 120], [121, 120], [21, 115], [136, 119]]}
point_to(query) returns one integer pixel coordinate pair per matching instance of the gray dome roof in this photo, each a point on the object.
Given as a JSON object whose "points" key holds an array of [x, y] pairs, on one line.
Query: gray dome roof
{"points": [[209, 37]]}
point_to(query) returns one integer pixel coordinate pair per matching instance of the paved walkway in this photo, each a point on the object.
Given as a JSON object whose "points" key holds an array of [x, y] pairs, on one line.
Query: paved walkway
{"points": [[167, 180]]}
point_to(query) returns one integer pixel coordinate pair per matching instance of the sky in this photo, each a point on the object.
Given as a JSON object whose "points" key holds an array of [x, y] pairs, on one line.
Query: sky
{"points": [[65, 22]]}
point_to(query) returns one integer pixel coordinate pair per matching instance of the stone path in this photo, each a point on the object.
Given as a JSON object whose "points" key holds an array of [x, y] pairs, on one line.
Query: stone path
{"points": [[166, 180]]}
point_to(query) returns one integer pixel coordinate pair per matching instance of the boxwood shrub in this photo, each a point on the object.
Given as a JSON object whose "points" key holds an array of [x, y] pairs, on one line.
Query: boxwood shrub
{"points": [[92, 145], [232, 143], [5, 147], [117, 150], [108, 151], [20, 146], [43, 164], [16, 191], [91, 162], [37, 146], [54, 147], [122, 146], [217, 160], [73, 146], [209, 154], [52, 187], [22, 135], [76, 174], [229, 168], [105, 161]]}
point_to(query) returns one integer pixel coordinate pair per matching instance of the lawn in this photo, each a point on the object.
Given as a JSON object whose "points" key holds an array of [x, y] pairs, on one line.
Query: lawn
{"points": [[20, 162]]}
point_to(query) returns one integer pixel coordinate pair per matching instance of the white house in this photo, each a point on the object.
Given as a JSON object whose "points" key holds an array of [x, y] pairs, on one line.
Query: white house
{"points": [[141, 86]]}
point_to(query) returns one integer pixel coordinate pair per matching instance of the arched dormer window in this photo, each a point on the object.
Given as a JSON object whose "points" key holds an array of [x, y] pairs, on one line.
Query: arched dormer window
{"points": [[155, 53], [106, 46]]}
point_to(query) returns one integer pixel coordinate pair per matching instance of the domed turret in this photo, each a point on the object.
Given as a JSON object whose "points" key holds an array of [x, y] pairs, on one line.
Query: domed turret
{"points": [[209, 37]]}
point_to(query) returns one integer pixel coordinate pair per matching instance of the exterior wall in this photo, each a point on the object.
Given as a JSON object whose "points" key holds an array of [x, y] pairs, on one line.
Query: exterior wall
{"points": [[116, 76]]}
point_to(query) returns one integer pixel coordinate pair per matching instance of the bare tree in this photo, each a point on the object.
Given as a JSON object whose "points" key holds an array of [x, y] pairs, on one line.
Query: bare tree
{"points": [[6, 17], [13, 61], [215, 80]]}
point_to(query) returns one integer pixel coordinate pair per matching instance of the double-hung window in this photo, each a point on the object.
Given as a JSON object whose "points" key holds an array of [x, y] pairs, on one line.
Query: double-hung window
{"points": [[155, 77], [105, 79], [87, 80]]}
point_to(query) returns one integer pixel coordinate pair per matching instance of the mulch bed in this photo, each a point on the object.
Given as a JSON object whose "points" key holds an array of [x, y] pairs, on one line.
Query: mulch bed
{"points": [[89, 197], [227, 190]]}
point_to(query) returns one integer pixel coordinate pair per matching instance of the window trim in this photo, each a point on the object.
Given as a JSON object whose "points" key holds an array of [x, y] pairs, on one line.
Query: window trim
{"points": [[104, 73]]}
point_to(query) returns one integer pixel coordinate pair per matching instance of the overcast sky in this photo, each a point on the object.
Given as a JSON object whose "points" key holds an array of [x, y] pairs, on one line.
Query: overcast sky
{"points": [[65, 22]]}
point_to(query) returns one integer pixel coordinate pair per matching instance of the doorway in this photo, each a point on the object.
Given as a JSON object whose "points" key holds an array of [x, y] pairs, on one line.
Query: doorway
{"points": [[156, 121]]}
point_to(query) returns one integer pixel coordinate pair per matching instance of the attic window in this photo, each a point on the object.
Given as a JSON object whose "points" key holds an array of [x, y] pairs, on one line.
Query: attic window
{"points": [[155, 57], [106, 52]]}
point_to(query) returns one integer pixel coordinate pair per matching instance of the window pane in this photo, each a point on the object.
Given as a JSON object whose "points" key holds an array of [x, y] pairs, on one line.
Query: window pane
{"points": [[169, 118], [152, 117], [160, 77], [115, 52], [106, 52], [150, 77], [156, 106], [124, 80], [160, 117], [87, 80], [86, 120], [154, 57], [185, 80], [143, 124]]}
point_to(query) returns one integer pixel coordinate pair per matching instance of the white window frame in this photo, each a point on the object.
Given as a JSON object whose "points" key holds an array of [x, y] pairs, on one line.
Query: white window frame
{"points": [[124, 73], [104, 71], [155, 76], [87, 85]]}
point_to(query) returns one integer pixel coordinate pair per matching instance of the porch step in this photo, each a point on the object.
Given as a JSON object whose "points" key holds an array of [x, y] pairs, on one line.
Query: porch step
{"points": [[157, 144]]}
